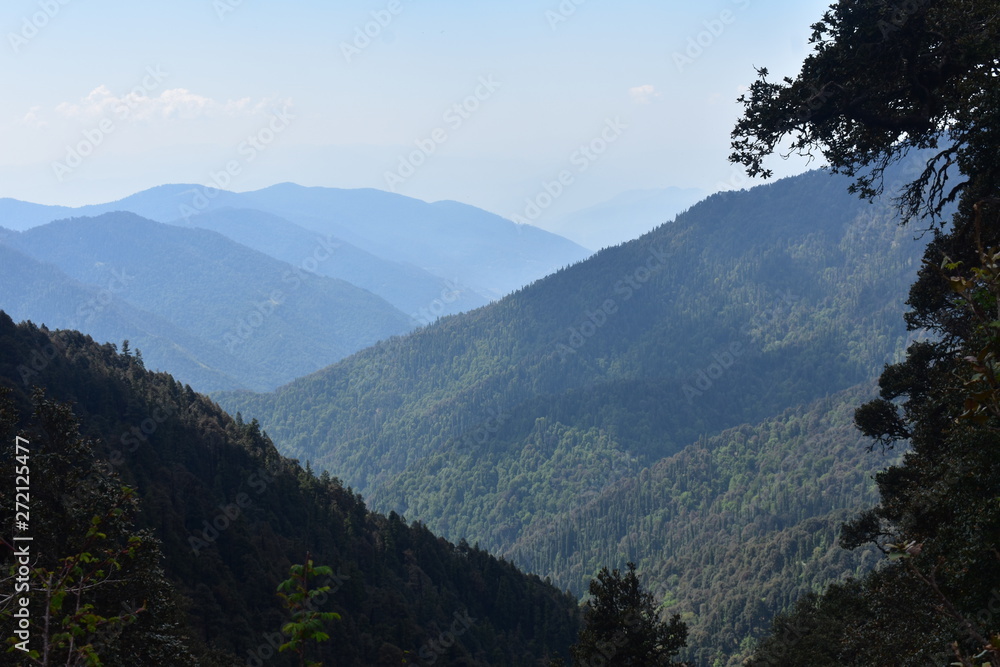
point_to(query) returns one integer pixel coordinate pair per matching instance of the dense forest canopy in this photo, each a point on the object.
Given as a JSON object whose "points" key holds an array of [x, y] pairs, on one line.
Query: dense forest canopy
{"points": [[200, 519], [884, 80]]}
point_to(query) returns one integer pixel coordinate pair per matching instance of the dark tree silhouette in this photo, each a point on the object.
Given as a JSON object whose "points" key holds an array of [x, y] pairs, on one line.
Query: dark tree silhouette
{"points": [[622, 626]]}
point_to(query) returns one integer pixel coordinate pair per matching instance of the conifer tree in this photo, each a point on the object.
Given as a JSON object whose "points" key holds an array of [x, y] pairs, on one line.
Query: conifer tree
{"points": [[622, 626]]}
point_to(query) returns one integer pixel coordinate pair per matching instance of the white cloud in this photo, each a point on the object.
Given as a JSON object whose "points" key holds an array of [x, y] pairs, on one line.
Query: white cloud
{"points": [[33, 120], [169, 105], [644, 94]]}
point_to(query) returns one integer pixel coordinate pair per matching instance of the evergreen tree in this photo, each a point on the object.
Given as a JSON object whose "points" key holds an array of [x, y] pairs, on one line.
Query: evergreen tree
{"points": [[300, 599], [622, 626], [883, 81]]}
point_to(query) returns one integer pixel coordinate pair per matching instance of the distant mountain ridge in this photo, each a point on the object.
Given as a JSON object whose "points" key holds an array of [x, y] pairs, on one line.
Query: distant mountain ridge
{"points": [[404, 263], [400, 284], [273, 323], [475, 249]]}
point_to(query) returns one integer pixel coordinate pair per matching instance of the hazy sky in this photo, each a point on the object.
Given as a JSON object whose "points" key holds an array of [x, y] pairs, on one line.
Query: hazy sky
{"points": [[485, 103]]}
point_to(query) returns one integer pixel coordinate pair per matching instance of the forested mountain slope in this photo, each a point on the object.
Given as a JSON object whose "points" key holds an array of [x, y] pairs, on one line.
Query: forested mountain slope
{"points": [[727, 532], [34, 290], [273, 320], [511, 425], [749, 303], [231, 515]]}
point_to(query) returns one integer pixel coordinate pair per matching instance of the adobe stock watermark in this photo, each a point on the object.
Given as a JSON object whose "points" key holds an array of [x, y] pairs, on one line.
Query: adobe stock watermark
{"points": [[454, 116], [595, 319], [805, 111], [130, 441], [253, 320], [32, 25], [433, 649], [91, 308], [247, 151], [582, 158], [364, 34], [96, 136], [706, 377], [294, 278], [738, 180], [562, 13], [472, 440], [901, 13], [41, 357], [450, 293], [224, 7], [713, 30]]}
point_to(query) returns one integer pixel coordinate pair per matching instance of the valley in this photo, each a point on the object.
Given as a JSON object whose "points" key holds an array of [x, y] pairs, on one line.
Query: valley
{"points": [[656, 357]]}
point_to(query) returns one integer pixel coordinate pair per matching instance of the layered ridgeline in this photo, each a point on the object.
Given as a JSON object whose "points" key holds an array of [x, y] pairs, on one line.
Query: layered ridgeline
{"points": [[334, 271], [229, 516], [730, 530], [30, 289], [444, 241], [419, 294], [231, 311], [749, 303]]}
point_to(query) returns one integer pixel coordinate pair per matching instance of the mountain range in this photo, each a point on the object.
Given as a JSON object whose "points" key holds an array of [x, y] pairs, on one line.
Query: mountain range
{"points": [[292, 297], [499, 426], [682, 400]]}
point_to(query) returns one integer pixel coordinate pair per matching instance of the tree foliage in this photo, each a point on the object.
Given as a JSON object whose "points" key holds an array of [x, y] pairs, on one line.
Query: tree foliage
{"points": [[894, 79], [301, 599], [481, 426], [98, 594], [885, 79], [623, 627], [197, 473]]}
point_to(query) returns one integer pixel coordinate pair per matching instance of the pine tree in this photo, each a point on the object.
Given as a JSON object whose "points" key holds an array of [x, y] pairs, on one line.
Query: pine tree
{"points": [[622, 626]]}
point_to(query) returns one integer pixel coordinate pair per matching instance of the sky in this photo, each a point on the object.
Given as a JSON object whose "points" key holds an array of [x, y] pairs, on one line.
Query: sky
{"points": [[527, 108]]}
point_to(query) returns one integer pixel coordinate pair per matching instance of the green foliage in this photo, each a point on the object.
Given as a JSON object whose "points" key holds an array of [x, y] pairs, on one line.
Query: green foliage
{"points": [[904, 79], [307, 624], [393, 584], [97, 595], [622, 626], [885, 79], [729, 531]]}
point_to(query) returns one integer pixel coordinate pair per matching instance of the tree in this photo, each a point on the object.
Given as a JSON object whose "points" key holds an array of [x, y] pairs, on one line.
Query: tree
{"points": [[96, 594], [885, 80], [622, 626], [307, 622]]}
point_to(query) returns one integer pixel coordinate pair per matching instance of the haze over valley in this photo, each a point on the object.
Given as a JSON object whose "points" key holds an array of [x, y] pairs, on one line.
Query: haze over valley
{"points": [[546, 335]]}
